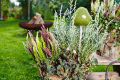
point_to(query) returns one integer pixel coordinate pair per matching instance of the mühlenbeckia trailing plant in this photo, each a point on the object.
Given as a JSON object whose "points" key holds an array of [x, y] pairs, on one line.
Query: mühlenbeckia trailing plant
{"points": [[63, 52]]}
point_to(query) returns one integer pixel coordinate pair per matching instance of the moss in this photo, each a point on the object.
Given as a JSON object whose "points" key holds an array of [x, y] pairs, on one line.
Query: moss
{"points": [[82, 17]]}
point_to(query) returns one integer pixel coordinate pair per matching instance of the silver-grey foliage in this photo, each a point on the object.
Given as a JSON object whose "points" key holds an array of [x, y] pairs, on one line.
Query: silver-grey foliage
{"points": [[68, 37]]}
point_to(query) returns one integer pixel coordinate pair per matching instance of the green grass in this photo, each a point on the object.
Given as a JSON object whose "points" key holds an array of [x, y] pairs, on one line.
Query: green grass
{"points": [[101, 68], [15, 62]]}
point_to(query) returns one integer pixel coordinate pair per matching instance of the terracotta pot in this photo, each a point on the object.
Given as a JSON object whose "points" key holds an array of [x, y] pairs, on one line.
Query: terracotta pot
{"points": [[55, 77], [101, 76]]}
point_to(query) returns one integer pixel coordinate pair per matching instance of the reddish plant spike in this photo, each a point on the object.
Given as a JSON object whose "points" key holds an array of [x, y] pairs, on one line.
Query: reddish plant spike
{"points": [[48, 52], [30, 50], [46, 37], [106, 14]]}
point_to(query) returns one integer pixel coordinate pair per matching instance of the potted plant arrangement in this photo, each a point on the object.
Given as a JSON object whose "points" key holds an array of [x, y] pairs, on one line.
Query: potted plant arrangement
{"points": [[109, 19], [64, 51], [108, 15]]}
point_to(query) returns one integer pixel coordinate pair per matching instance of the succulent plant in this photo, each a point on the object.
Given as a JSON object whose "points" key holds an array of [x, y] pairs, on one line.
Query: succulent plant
{"points": [[82, 17]]}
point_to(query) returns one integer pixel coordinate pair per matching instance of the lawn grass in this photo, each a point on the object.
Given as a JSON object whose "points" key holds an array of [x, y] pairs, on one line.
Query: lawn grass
{"points": [[101, 68], [15, 63]]}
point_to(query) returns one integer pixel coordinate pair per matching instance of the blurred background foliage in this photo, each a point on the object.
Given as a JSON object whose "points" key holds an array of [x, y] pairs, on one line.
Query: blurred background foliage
{"points": [[44, 7], [48, 7], [118, 1], [5, 7]]}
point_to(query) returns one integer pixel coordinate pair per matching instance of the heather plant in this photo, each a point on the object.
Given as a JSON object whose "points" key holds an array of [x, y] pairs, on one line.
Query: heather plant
{"points": [[64, 51], [108, 16], [43, 48]]}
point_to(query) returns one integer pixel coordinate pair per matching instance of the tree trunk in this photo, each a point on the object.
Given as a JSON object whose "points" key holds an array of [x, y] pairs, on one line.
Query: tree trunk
{"points": [[0, 9], [26, 9], [25, 12]]}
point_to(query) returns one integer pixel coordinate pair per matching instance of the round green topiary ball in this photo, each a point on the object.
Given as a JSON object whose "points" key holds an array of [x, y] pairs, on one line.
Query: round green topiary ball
{"points": [[82, 17]]}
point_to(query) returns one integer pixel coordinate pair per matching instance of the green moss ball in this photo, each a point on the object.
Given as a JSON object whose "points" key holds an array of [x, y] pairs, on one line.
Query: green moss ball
{"points": [[82, 17]]}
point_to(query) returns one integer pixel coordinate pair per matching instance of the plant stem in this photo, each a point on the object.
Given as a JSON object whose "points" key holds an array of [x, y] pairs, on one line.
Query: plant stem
{"points": [[80, 40]]}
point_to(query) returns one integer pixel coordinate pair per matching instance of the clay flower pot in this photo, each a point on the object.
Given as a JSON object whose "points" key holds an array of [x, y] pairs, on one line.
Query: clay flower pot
{"points": [[55, 77]]}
